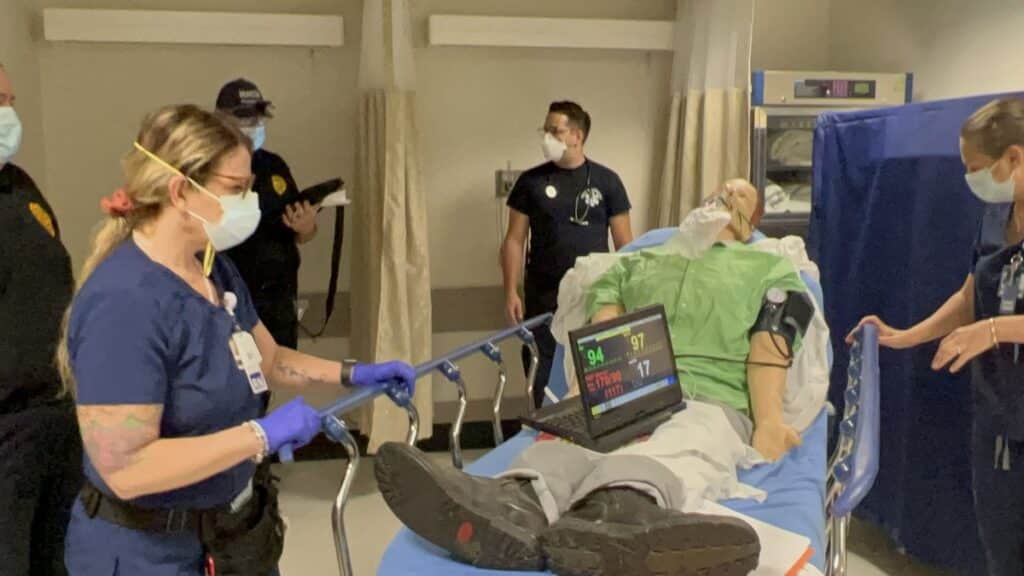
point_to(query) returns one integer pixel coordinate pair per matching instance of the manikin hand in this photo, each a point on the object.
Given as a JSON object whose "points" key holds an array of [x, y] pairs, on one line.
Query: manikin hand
{"points": [[774, 439]]}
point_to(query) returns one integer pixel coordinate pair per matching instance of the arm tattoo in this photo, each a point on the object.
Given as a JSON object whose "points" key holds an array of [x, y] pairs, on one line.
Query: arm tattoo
{"points": [[288, 373], [114, 434]]}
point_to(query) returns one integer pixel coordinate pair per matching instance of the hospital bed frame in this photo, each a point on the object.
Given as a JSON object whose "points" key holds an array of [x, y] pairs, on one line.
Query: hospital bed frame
{"points": [[851, 471]]}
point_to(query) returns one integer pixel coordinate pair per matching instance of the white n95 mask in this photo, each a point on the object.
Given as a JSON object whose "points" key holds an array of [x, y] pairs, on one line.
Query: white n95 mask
{"points": [[240, 219], [241, 212], [553, 148], [10, 133], [984, 186]]}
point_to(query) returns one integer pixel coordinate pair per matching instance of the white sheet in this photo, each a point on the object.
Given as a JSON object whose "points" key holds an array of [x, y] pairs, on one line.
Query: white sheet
{"points": [[781, 550]]}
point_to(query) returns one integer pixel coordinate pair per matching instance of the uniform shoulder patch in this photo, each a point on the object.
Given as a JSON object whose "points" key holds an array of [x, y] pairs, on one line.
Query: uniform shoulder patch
{"points": [[43, 217], [279, 183]]}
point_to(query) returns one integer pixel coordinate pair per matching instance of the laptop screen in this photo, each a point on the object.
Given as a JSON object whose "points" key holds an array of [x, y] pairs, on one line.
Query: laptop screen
{"points": [[624, 360]]}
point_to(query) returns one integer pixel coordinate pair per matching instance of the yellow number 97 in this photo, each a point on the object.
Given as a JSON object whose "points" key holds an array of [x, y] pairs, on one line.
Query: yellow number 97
{"points": [[638, 342]]}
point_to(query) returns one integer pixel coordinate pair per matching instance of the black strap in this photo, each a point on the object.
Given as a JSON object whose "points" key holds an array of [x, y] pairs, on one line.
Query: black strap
{"points": [[332, 284], [161, 520]]}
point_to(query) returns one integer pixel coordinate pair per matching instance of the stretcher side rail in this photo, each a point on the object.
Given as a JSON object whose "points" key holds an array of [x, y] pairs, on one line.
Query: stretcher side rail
{"points": [[854, 465], [337, 430]]}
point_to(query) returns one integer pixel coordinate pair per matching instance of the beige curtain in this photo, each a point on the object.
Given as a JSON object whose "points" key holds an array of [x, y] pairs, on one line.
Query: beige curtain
{"points": [[391, 309], [709, 124]]}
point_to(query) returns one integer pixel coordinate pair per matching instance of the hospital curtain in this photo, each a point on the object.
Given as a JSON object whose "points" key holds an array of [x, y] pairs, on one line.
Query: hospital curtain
{"points": [[391, 308], [709, 124]]}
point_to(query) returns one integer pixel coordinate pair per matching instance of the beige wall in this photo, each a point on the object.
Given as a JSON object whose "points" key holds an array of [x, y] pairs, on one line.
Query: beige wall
{"points": [[954, 47], [97, 94], [478, 110], [17, 53], [792, 34]]}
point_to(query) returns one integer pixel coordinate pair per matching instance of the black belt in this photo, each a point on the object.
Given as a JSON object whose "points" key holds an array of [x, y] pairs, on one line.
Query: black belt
{"points": [[161, 520]]}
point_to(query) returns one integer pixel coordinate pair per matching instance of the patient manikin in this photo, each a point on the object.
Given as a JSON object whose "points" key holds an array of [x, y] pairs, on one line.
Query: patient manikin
{"points": [[632, 512], [713, 296]]}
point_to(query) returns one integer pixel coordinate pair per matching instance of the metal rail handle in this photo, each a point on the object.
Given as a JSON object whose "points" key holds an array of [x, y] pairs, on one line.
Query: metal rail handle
{"points": [[365, 395], [336, 429]]}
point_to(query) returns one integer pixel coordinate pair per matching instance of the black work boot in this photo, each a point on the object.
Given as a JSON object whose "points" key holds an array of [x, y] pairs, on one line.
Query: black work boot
{"points": [[623, 532], [486, 522]]}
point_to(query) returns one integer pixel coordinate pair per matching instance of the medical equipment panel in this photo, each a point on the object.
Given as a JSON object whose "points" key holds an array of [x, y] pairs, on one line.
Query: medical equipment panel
{"points": [[786, 105]]}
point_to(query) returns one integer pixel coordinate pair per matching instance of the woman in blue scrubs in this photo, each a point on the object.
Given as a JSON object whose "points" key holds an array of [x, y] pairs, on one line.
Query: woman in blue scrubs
{"points": [[984, 322], [169, 363]]}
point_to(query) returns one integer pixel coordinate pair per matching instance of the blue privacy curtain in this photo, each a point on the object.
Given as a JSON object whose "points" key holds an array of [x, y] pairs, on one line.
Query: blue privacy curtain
{"points": [[892, 228]]}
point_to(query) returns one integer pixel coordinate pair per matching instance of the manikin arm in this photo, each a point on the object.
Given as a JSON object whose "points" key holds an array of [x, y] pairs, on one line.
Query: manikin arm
{"points": [[767, 384]]}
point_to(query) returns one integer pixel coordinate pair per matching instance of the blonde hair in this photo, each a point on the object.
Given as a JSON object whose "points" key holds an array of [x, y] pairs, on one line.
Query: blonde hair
{"points": [[187, 137], [996, 126]]}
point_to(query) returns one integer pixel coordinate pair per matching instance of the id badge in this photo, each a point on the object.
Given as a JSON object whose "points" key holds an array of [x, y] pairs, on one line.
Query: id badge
{"points": [[1008, 290], [248, 358]]}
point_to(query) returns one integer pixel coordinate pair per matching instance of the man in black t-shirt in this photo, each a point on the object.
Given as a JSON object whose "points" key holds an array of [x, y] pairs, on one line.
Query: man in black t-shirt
{"points": [[40, 447], [269, 260], [567, 205]]}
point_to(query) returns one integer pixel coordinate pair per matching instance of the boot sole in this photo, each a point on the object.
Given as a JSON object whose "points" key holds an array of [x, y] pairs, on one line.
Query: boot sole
{"points": [[675, 547], [446, 516]]}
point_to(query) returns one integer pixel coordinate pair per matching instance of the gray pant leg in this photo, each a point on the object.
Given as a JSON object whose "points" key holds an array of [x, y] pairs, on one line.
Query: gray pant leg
{"points": [[564, 474], [641, 473], [557, 469]]}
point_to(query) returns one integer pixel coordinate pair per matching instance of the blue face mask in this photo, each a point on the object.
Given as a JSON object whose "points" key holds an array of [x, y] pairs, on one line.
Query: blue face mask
{"points": [[258, 135], [10, 133]]}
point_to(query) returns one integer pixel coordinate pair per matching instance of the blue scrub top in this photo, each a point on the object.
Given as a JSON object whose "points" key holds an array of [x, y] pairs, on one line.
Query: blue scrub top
{"points": [[997, 379], [139, 334]]}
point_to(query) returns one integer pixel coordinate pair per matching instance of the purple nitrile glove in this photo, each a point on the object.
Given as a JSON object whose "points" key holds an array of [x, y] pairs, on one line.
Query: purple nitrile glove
{"points": [[383, 376], [295, 424]]}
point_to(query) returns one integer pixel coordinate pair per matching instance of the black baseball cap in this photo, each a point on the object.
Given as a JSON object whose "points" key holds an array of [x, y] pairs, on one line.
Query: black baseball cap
{"points": [[243, 99]]}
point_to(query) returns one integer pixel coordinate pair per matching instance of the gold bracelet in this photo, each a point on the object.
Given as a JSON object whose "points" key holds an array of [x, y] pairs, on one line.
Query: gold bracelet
{"points": [[992, 328]]}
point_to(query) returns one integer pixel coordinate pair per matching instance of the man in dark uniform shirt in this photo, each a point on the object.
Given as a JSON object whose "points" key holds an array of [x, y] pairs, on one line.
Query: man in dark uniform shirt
{"points": [[568, 205], [269, 260], [40, 449]]}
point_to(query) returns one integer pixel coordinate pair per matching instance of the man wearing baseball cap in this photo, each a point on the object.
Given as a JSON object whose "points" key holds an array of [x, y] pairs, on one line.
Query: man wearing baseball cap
{"points": [[269, 260]]}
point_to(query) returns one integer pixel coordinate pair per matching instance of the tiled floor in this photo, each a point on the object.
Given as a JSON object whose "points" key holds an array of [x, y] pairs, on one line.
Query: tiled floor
{"points": [[308, 493]]}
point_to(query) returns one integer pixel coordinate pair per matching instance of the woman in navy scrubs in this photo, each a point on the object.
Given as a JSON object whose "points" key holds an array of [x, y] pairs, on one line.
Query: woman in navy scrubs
{"points": [[169, 363], [984, 322]]}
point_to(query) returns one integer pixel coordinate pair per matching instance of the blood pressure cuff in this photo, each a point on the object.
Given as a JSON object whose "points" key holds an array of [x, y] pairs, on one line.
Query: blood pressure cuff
{"points": [[788, 318]]}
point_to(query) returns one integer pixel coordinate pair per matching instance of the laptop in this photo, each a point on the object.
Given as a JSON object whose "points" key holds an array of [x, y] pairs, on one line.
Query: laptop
{"points": [[628, 383]]}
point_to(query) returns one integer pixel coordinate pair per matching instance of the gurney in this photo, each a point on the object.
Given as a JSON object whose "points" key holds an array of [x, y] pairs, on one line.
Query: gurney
{"points": [[808, 494]]}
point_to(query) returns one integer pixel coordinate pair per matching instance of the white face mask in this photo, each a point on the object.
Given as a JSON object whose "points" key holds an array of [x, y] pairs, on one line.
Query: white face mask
{"points": [[985, 187], [741, 225], [699, 231], [10, 133], [554, 149], [241, 212], [240, 219]]}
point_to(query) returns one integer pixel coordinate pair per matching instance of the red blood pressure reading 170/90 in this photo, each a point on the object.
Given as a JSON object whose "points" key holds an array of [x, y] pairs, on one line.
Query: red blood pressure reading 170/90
{"points": [[607, 383]]}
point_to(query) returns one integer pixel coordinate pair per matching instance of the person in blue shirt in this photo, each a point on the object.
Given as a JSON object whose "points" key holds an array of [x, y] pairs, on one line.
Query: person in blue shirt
{"points": [[983, 324], [168, 363]]}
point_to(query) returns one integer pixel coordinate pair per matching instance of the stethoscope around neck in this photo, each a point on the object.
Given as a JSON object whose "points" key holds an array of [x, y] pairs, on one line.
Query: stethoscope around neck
{"points": [[577, 218]]}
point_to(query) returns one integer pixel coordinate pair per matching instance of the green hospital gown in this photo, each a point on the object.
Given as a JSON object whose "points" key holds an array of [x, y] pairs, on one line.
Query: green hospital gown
{"points": [[711, 304]]}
